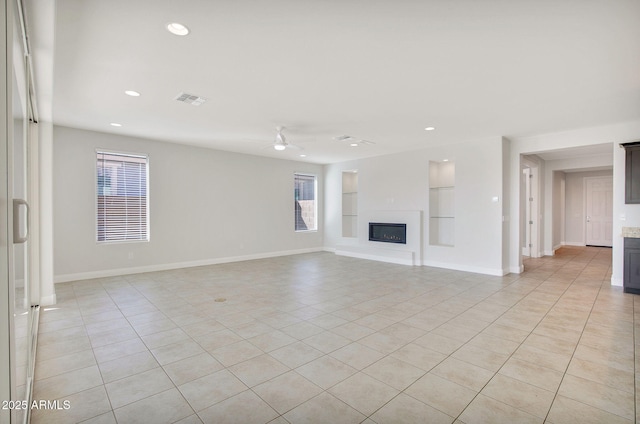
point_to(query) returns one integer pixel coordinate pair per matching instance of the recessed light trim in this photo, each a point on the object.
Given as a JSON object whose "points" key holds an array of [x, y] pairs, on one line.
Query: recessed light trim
{"points": [[132, 93], [115, 124], [430, 128], [177, 29]]}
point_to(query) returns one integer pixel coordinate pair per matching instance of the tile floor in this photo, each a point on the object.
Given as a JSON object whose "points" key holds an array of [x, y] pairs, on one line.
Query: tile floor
{"points": [[318, 338]]}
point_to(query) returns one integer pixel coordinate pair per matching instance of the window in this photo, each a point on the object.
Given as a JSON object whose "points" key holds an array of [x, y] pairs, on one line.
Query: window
{"points": [[122, 201], [305, 207]]}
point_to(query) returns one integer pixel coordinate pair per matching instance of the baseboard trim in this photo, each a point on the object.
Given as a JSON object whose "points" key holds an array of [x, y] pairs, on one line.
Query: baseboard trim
{"points": [[48, 300], [177, 265], [573, 243], [517, 270], [615, 281], [380, 258], [467, 268]]}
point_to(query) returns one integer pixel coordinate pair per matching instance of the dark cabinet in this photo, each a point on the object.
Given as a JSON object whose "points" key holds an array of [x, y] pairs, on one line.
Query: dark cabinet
{"points": [[631, 280], [632, 172]]}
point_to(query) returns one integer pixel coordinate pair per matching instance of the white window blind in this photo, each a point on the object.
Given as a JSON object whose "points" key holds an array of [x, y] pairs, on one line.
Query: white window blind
{"points": [[305, 209], [122, 197]]}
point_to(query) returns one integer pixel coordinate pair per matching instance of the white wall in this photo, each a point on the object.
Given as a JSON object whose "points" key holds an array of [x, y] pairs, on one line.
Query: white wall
{"points": [[506, 202], [400, 182], [206, 206], [574, 204]]}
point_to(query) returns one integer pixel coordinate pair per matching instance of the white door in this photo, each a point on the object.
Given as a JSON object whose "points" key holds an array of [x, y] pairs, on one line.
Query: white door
{"points": [[530, 177], [599, 211]]}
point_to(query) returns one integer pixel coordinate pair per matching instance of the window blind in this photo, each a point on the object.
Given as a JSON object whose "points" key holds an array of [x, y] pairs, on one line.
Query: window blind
{"points": [[122, 197]]}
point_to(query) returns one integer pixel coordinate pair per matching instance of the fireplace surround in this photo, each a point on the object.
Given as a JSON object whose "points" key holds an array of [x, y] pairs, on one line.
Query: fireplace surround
{"points": [[407, 253]]}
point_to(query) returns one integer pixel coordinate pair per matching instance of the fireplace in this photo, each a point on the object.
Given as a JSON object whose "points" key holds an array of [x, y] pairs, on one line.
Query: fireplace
{"points": [[388, 232]]}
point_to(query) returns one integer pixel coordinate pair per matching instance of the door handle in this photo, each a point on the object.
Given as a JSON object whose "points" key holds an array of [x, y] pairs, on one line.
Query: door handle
{"points": [[17, 237], [588, 218]]}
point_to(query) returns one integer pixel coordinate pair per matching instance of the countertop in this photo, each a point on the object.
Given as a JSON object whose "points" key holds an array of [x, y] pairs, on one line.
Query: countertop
{"points": [[631, 232]]}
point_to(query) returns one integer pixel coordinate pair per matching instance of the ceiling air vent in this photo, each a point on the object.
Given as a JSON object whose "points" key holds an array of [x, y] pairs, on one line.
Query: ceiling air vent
{"points": [[190, 99]]}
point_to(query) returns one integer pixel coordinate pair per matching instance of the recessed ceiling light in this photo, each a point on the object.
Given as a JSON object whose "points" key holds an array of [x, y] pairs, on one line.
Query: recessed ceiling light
{"points": [[353, 144], [177, 29], [115, 124], [279, 146], [430, 128], [303, 156], [445, 160], [132, 93]]}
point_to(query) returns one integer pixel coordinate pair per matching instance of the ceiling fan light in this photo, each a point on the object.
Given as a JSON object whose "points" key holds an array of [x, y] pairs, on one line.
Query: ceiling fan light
{"points": [[279, 146], [177, 29]]}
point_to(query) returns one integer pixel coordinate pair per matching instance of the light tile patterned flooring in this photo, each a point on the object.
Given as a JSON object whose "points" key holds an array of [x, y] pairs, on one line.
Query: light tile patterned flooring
{"points": [[318, 338]]}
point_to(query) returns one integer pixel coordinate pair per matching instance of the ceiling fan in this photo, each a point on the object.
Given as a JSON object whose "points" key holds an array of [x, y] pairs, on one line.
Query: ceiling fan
{"points": [[353, 141], [280, 143]]}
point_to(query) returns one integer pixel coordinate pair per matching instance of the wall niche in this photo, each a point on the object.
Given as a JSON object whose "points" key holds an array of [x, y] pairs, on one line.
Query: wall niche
{"points": [[442, 203]]}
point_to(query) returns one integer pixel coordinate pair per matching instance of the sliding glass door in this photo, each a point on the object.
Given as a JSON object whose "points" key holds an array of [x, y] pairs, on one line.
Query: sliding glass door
{"points": [[22, 359]]}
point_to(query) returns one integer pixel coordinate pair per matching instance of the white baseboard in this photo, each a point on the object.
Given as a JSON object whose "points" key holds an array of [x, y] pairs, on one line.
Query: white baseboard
{"points": [[399, 257], [573, 243], [615, 281], [517, 269], [48, 300], [176, 265], [467, 268]]}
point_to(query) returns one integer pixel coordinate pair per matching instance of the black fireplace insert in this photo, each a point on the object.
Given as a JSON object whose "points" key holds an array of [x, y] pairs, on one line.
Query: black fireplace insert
{"points": [[388, 232]]}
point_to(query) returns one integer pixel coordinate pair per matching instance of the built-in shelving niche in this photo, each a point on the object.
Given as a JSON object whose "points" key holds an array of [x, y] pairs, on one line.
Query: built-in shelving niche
{"points": [[350, 204], [442, 203]]}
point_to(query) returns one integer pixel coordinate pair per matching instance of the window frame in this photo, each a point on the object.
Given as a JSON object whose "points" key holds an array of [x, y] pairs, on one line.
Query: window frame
{"points": [[147, 157], [315, 201]]}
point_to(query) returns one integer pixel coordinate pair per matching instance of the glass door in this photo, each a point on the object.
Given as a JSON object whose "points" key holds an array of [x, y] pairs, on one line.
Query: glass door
{"points": [[18, 186]]}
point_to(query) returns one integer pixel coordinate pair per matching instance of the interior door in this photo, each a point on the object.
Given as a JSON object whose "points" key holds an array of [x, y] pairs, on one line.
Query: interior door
{"points": [[599, 211], [531, 246]]}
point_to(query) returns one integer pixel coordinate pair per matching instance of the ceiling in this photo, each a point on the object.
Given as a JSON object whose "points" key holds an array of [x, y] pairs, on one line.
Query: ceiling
{"points": [[375, 70], [599, 150]]}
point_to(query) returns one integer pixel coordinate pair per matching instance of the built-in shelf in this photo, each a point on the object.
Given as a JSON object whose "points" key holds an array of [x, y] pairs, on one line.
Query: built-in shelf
{"points": [[441, 204], [350, 204]]}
